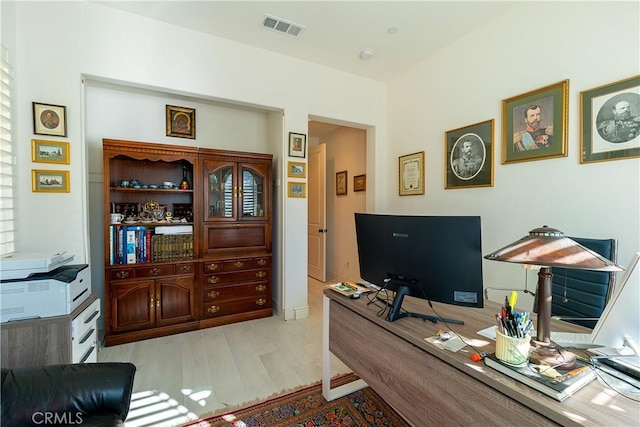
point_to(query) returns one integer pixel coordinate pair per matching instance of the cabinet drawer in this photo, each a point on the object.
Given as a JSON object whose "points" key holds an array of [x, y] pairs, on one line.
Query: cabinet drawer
{"points": [[123, 273], [244, 264], [226, 293], [214, 309], [213, 266], [239, 276], [228, 237], [86, 320], [154, 271]]}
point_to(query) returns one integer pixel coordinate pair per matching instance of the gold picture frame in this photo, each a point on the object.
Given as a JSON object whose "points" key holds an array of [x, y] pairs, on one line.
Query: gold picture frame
{"points": [[49, 152], [534, 124], [411, 174], [49, 181], [49, 119], [181, 122], [360, 182], [296, 169], [297, 190], [469, 156], [610, 121]]}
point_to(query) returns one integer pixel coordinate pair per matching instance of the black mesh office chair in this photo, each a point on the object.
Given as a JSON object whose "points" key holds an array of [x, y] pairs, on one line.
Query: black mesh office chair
{"points": [[579, 296]]}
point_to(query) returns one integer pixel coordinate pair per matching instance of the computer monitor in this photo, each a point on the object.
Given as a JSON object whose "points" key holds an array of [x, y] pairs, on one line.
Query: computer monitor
{"points": [[619, 324], [435, 258]]}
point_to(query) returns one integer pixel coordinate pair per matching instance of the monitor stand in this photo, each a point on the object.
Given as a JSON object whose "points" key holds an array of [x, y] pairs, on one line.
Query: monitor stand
{"points": [[396, 310]]}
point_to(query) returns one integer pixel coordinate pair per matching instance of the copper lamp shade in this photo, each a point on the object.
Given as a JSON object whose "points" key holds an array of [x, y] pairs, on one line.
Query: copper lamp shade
{"points": [[547, 247]]}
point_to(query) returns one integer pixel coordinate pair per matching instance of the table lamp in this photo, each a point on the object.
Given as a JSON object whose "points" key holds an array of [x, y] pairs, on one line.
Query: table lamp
{"points": [[547, 247]]}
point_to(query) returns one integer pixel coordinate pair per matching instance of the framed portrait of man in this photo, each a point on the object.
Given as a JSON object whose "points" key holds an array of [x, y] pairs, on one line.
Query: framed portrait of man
{"points": [[610, 117], [535, 124], [469, 156]]}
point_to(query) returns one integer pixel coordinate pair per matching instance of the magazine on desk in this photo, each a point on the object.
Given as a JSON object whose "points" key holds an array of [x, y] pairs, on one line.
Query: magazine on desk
{"points": [[558, 389], [348, 289]]}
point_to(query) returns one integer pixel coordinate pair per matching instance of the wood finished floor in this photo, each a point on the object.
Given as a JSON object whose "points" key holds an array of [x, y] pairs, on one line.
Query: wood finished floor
{"points": [[182, 377]]}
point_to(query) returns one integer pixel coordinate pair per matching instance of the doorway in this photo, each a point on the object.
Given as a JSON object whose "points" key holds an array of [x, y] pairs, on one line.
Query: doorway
{"points": [[332, 250]]}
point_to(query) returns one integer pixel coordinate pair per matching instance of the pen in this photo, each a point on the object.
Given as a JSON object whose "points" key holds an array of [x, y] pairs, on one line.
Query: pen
{"points": [[354, 287], [513, 298], [571, 374]]}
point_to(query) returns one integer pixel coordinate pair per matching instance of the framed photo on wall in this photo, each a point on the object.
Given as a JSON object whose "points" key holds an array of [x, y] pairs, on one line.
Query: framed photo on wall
{"points": [[296, 170], [341, 183], [610, 121], [49, 119], [360, 183], [297, 189], [49, 181], [469, 156], [297, 144], [181, 121], [535, 124], [411, 174], [49, 152]]}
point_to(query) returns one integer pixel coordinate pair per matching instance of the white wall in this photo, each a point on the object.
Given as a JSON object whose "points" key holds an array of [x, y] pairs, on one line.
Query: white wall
{"points": [[534, 45], [60, 43]]}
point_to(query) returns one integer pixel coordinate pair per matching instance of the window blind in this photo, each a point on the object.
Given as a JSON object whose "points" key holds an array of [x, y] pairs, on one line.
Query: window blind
{"points": [[7, 158]]}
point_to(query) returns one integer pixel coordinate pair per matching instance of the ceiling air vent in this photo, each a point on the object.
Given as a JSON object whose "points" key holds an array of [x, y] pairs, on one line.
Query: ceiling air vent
{"points": [[282, 26]]}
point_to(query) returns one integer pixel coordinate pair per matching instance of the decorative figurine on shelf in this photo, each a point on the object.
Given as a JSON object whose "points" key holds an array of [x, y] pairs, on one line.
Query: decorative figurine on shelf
{"points": [[184, 184], [168, 216]]}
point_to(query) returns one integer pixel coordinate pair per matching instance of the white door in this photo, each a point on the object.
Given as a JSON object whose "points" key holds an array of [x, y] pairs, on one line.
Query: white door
{"points": [[317, 213]]}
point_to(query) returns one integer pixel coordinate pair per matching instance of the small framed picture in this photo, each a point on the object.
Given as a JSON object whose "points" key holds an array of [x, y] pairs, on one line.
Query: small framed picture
{"points": [[49, 119], [49, 181], [411, 174], [469, 156], [535, 124], [359, 182], [610, 121], [341, 183], [181, 122], [296, 170], [49, 152], [297, 189], [297, 144]]}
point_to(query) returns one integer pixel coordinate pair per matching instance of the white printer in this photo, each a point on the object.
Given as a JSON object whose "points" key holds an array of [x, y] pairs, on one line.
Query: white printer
{"points": [[41, 285]]}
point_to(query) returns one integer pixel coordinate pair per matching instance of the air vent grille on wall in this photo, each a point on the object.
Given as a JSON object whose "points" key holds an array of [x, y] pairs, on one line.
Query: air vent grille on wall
{"points": [[282, 26]]}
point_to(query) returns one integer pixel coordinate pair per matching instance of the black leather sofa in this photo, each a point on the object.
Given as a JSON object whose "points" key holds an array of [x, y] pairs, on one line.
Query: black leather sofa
{"points": [[91, 394]]}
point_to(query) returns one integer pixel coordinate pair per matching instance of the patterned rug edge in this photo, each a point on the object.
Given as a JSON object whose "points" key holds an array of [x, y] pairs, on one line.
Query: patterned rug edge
{"points": [[336, 381]]}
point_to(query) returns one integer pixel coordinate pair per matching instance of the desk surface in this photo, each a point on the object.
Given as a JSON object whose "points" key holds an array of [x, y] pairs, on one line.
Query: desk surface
{"points": [[596, 404]]}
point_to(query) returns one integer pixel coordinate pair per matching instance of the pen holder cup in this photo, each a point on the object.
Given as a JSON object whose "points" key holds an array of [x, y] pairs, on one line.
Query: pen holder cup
{"points": [[512, 350]]}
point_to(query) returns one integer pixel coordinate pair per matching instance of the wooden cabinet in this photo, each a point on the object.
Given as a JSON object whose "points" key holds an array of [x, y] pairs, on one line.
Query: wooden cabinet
{"points": [[150, 260], [210, 267], [236, 236]]}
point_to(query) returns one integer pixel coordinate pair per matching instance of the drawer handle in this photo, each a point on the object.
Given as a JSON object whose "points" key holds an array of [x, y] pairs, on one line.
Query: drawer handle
{"points": [[94, 314], [213, 294], [238, 264], [261, 301], [262, 262], [157, 300], [213, 279], [87, 336], [213, 309], [152, 302], [154, 271], [122, 274], [261, 274], [260, 288], [87, 354], [185, 268], [212, 267]]}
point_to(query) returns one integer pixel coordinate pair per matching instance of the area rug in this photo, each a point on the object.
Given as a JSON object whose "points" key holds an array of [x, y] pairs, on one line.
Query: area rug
{"points": [[307, 408]]}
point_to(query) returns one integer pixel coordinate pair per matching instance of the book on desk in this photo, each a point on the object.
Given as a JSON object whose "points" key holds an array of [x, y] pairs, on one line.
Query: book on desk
{"points": [[348, 289], [556, 389]]}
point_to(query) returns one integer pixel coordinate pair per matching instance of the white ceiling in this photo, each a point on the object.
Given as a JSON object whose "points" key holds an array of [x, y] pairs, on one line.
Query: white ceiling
{"points": [[335, 32]]}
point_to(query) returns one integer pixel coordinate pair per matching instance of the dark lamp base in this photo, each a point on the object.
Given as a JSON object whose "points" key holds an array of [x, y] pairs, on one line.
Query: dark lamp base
{"points": [[551, 354]]}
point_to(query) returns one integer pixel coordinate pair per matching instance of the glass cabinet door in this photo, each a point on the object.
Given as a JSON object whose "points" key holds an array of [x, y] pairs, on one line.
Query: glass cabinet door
{"points": [[253, 197], [220, 196]]}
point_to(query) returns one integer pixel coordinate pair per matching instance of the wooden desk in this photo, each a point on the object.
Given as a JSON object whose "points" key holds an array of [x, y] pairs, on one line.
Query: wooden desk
{"points": [[429, 386]]}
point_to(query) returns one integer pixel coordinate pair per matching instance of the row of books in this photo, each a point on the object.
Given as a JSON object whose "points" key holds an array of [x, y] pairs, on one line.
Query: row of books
{"points": [[132, 244]]}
